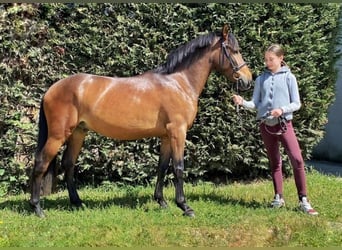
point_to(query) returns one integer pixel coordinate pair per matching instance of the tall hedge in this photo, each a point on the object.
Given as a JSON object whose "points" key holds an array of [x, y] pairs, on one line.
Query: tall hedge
{"points": [[42, 43]]}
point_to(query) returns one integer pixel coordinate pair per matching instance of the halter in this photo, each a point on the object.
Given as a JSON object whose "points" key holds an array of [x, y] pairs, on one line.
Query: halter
{"points": [[236, 68], [233, 63]]}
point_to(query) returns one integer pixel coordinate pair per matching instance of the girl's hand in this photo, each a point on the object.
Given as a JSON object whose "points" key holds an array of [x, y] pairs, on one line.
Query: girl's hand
{"points": [[237, 99], [276, 112]]}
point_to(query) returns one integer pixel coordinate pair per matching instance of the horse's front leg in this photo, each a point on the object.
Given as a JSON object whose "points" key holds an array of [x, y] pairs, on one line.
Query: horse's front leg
{"points": [[178, 168], [177, 146], [163, 165]]}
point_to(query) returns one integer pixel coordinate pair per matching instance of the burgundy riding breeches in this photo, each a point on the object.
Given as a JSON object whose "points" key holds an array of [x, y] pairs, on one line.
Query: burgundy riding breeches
{"points": [[284, 134]]}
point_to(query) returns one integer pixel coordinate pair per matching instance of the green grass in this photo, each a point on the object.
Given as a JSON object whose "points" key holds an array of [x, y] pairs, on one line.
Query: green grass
{"points": [[231, 215]]}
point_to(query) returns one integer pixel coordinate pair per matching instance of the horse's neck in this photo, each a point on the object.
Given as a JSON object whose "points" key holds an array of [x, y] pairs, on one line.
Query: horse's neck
{"points": [[197, 74]]}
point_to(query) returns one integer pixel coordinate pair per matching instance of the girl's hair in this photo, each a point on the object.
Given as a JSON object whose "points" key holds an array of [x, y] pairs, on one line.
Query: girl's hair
{"points": [[278, 51]]}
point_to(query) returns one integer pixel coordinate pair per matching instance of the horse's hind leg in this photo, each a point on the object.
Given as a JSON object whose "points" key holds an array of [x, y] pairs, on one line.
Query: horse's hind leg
{"points": [[163, 165], [74, 145], [42, 161]]}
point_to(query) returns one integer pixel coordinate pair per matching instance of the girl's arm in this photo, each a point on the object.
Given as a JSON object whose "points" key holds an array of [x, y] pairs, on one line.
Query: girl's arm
{"points": [[295, 103], [252, 104]]}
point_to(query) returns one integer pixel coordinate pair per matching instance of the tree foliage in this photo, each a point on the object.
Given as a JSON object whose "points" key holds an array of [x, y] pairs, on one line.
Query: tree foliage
{"points": [[42, 43]]}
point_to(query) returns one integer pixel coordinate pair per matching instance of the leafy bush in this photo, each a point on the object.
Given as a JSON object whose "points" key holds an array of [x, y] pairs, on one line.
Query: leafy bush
{"points": [[42, 43]]}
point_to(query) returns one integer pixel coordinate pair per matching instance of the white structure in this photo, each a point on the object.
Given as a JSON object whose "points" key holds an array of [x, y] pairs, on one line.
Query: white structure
{"points": [[330, 147]]}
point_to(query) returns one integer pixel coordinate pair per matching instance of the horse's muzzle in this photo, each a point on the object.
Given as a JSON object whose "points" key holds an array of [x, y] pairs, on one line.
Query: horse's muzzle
{"points": [[243, 83]]}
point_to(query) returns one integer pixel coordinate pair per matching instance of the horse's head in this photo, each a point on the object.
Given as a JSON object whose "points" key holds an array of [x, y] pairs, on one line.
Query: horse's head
{"points": [[229, 61]]}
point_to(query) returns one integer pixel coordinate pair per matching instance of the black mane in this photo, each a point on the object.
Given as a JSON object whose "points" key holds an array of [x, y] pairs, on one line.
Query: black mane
{"points": [[186, 54]]}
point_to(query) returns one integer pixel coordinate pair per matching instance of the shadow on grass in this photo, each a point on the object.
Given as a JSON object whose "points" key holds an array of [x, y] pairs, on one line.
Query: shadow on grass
{"points": [[221, 200], [22, 206], [129, 200]]}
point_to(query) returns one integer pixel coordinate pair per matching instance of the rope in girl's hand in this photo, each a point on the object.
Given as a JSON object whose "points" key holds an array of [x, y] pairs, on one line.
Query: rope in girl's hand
{"points": [[237, 108]]}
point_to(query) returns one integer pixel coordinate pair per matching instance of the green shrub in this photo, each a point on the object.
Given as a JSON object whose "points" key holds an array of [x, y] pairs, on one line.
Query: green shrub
{"points": [[42, 43]]}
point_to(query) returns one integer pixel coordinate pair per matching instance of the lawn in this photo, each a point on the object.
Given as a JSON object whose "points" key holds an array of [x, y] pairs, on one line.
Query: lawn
{"points": [[233, 215]]}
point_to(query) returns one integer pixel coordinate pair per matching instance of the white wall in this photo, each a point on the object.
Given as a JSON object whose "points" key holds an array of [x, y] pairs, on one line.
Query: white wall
{"points": [[330, 147]]}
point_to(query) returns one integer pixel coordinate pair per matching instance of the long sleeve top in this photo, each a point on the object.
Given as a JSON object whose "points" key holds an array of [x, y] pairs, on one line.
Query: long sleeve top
{"points": [[275, 90]]}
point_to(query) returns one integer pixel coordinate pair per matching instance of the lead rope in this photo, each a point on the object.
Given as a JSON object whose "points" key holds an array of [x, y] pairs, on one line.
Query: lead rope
{"points": [[282, 124], [237, 108]]}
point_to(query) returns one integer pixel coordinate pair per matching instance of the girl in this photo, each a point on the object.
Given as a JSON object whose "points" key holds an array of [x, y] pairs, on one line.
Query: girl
{"points": [[276, 97]]}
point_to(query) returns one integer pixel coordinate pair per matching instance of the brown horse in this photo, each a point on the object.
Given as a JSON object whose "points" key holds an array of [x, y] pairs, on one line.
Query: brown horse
{"points": [[158, 103]]}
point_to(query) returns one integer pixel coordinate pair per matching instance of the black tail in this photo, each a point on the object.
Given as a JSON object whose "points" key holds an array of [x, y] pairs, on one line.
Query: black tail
{"points": [[42, 128], [49, 181]]}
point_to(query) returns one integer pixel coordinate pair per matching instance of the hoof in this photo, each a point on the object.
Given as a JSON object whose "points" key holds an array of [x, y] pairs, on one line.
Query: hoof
{"points": [[189, 213], [83, 207], [163, 204], [78, 206], [39, 211], [40, 214]]}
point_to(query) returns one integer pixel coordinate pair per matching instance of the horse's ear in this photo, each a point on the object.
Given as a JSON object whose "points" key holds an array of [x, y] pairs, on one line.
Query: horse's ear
{"points": [[225, 31]]}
